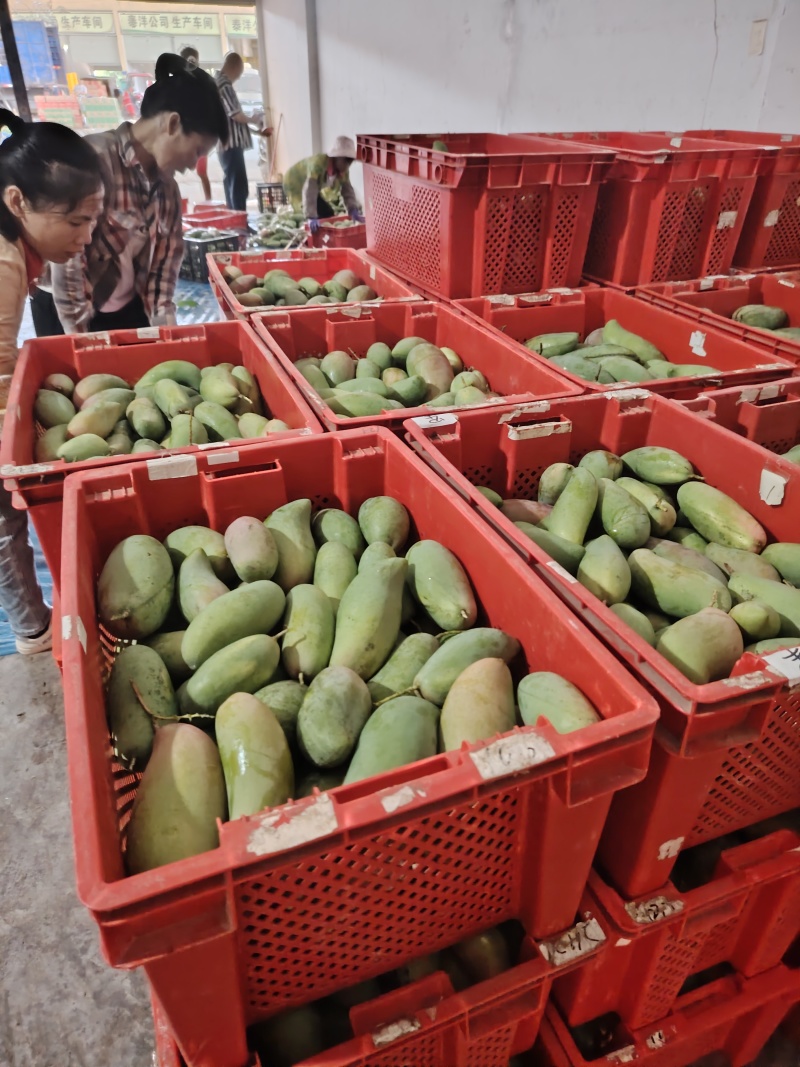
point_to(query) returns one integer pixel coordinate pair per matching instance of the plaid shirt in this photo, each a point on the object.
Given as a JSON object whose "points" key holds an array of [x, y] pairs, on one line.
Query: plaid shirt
{"points": [[238, 134], [132, 202]]}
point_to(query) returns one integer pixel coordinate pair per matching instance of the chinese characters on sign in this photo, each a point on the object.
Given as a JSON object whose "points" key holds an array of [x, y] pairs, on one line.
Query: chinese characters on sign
{"points": [[172, 23], [78, 21], [241, 26]]}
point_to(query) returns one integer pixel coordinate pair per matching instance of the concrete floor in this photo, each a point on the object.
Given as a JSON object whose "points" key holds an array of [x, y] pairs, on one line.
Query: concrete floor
{"points": [[60, 1004]]}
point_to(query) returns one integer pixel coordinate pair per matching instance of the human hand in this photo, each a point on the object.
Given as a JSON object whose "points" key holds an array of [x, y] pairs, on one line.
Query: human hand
{"points": [[313, 225], [356, 215], [266, 132]]}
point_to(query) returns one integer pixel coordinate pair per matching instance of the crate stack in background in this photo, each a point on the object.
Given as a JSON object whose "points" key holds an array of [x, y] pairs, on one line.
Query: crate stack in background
{"points": [[642, 872]]}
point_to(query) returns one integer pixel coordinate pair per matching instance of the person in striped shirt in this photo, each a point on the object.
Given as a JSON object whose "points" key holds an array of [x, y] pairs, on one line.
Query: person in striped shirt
{"points": [[126, 277], [239, 139]]}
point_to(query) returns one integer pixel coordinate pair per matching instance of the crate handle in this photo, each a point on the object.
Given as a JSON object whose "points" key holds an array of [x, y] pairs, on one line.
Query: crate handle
{"points": [[709, 918]]}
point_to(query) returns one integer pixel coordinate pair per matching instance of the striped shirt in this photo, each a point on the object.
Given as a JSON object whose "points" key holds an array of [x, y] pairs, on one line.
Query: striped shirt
{"points": [[238, 135], [138, 213]]}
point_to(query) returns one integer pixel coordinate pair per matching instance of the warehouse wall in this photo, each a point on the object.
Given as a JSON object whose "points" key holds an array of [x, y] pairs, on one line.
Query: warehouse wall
{"points": [[505, 65]]}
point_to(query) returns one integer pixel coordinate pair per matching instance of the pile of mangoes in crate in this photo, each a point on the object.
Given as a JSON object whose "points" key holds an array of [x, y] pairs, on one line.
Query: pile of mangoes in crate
{"points": [[315, 649], [174, 404], [683, 564], [411, 374], [611, 354], [279, 289]]}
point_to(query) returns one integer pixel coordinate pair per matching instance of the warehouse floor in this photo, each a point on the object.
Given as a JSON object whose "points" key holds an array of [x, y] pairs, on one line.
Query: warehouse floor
{"points": [[60, 1005]]}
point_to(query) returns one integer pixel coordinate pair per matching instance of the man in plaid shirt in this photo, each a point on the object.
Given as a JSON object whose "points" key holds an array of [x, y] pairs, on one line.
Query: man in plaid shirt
{"points": [[238, 140], [126, 278]]}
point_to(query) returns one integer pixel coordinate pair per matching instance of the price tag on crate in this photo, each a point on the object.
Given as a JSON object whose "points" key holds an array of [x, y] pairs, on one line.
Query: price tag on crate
{"points": [[580, 939], [433, 422], [786, 662]]}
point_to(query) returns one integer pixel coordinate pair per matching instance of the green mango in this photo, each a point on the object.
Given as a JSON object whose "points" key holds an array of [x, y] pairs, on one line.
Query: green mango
{"points": [[179, 801], [550, 696], [333, 714], [255, 756], [401, 731]]}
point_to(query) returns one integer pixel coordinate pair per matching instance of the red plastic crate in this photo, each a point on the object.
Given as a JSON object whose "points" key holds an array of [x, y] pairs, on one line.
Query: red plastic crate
{"points": [[712, 301], [771, 232], [746, 916], [319, 330], [679, 338], [320, 264], [768, 415], [39, 487], [219, 218], [672, 206], [331, 236], [433, 852], [734, 1016], [727, 754], [493, 214], [426, 1023]]}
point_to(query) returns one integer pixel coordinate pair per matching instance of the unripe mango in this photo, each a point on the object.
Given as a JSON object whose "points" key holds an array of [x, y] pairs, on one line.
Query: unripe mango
{"points": [[139, 698], [251, 549], [440, 584], [479, 705], [290, 526], [134, 591], [704, 646], [550, 696], [332, 716], [255, 756], [179, 800]]}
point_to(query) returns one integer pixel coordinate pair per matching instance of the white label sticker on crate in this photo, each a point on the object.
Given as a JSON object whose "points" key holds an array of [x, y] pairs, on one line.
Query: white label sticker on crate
{"points": [[392, 1031], [751, 393], [502, 298], [706, 283], [676, 141], [656, 1040], [432, 422], [771, 487], [772, 217], [400, 798], [727, 220], [277, 830], [697, 342], [511, 754], [579, 940], [537, 429], [538, 407], [72, 626], [652, 911], [747, 682], [787, 282], [172, 467], [670, 849], [148, 333], [625, 396], [623, 1055], [786, 662]]}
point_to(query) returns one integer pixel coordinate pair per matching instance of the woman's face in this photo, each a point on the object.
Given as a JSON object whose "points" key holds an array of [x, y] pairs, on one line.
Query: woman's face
{"points": [[175, 151], [57, 234]]}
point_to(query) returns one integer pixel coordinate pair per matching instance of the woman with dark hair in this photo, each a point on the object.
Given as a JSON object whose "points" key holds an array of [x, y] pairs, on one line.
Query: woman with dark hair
{"points": [[126, 278], [51, 195]]}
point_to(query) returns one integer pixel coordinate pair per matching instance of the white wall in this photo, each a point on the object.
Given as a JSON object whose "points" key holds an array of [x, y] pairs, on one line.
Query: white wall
{"points": [[516, 65], [283, 24]]}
